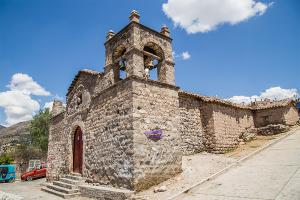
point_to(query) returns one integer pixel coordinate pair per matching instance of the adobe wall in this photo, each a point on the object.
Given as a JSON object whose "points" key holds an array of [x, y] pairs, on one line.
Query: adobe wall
{"points": [[190, 127], [229, 124], [155, 107], [291, 116], [213, 126], [276, 115]]}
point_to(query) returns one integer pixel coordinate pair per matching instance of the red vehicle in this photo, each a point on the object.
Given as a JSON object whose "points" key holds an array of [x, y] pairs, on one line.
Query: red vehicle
{"points": [[36, 169]]}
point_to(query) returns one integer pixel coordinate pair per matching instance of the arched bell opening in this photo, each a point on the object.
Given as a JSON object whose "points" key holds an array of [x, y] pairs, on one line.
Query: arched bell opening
{"points": [[153, 60], [120, 63]]}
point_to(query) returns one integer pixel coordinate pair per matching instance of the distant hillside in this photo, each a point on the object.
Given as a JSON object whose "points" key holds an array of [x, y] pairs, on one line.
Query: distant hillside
{"points": [[16, 134], [2, 127]]}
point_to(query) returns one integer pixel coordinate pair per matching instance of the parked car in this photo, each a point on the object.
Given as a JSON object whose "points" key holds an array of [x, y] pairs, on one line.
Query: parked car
{"points": [[7, 173], [36, 169]]}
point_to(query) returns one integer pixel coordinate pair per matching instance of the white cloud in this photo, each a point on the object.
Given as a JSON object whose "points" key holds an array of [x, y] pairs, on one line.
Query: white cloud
{"points": [[17, 106], [25, 84], [185, 55], [48, 105], [17, 101], [206, 15], [273, 93]]}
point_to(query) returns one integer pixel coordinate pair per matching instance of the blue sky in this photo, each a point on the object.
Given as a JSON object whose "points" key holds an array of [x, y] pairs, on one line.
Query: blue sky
{"points": [[50, 40]]}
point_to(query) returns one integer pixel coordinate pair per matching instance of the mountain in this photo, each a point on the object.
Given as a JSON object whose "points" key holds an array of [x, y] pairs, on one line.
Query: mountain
{"points": [[2, 127], [15, 134]]}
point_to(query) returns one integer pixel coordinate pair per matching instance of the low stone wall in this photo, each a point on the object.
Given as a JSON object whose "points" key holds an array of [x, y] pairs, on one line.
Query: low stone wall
{"points": [[104, 193], [272, 129]]}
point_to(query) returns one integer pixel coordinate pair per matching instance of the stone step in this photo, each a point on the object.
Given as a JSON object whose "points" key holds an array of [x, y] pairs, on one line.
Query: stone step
{"points": [[69, 176], [62, 189], [76, 174], [69, 181], [64, 185], [60, 194]]}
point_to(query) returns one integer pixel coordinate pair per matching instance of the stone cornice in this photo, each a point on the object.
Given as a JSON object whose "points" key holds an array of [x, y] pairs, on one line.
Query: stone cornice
{"points": [[141, 26]]}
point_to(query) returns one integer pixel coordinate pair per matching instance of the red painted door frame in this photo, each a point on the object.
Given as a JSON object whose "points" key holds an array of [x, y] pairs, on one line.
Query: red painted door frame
{"points": [[77, 151]]}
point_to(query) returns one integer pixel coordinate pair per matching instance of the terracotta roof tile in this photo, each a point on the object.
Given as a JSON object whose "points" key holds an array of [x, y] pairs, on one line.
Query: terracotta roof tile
{"points": [[259, 105]]}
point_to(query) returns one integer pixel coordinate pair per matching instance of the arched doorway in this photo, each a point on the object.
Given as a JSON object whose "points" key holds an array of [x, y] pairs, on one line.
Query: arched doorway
{"points": [[77, 151]]}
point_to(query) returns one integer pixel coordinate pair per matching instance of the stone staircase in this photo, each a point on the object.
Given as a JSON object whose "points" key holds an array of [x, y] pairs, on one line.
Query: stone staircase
{"points": [[66, 187]]}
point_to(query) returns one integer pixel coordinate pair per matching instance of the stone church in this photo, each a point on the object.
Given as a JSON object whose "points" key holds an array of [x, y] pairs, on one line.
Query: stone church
{"points": [[122, 129]]}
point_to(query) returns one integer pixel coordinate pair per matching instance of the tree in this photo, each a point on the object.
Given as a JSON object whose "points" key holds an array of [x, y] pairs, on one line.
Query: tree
{"points": [[6, 159], [39, 130], [22, 153]]}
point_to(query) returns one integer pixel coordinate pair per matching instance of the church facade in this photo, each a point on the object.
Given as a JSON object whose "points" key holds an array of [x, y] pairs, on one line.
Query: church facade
{"points": [[122, 129]]}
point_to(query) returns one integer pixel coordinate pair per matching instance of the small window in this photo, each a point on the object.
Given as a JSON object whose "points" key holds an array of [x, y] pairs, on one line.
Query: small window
{"points": [[79, 99]]}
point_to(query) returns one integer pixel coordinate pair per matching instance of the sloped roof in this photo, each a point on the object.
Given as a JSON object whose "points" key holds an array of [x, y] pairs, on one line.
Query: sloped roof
{"points": [[84, 71], [214, 100], [259, 105]]}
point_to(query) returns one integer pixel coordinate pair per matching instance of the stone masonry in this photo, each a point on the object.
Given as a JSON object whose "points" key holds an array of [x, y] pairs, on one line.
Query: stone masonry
{"points": [[120, 115]]}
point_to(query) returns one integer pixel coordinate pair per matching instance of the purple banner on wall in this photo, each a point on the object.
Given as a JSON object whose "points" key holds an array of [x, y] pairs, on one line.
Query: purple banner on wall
{"points": [[154, 134]]}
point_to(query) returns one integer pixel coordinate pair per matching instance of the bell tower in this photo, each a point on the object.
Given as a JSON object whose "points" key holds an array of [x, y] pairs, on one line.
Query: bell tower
{"points": [[136, 50]]}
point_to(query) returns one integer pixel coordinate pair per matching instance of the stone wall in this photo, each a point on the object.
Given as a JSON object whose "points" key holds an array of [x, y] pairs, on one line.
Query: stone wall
{"points": [[108, 141], [190, 127], [116, 151], [57, 148], [278, 115], [106, 124], [155, 107]]}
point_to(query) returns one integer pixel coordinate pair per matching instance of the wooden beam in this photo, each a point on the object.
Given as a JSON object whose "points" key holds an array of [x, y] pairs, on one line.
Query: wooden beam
{"points": [[152, 55]]}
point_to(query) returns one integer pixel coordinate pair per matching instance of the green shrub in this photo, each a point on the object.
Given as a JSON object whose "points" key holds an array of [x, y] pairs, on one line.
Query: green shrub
{"points": [[6, 159]]}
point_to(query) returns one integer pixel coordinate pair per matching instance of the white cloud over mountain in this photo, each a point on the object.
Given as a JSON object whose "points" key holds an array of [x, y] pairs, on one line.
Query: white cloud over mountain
{"points": [[273, 93], [206, 15], [17, 102]]}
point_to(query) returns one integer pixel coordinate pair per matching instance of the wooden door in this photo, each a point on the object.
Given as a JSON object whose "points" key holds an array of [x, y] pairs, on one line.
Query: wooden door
{"points": [[77, 151]]}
